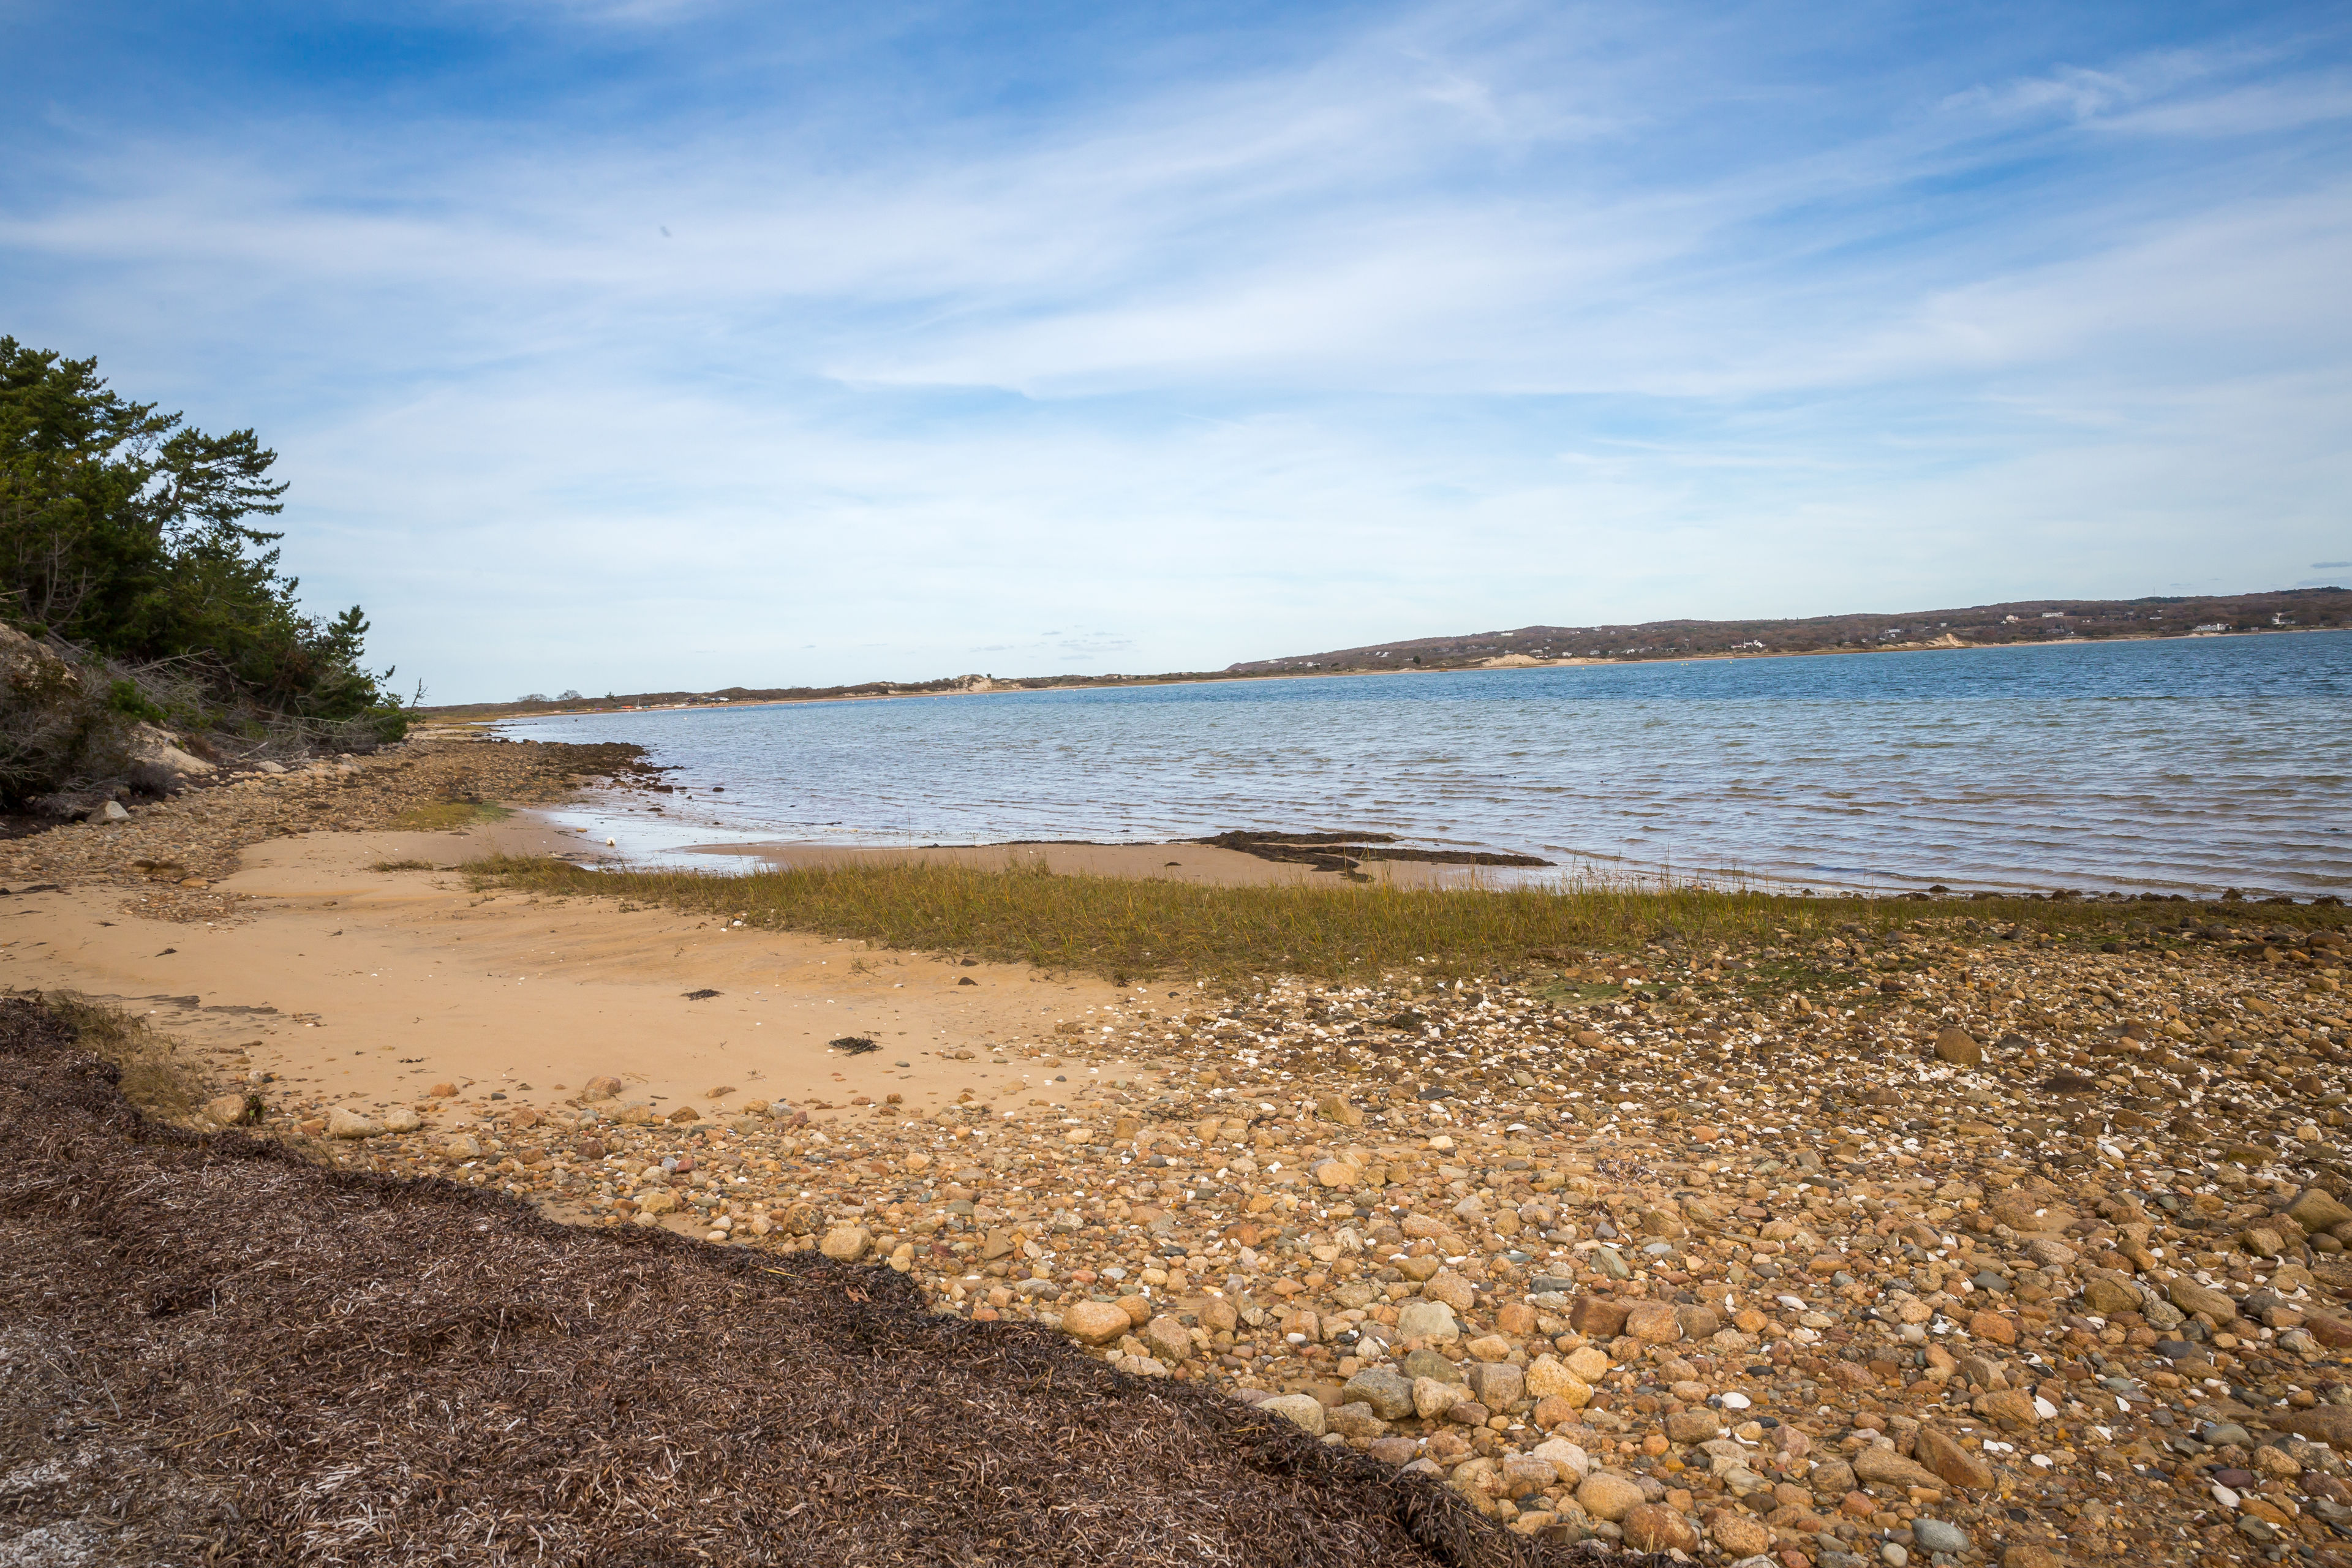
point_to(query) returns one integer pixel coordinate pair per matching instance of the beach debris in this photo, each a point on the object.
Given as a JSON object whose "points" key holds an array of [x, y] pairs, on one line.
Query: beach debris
{"points": [[702, 995], [852, 1044]]}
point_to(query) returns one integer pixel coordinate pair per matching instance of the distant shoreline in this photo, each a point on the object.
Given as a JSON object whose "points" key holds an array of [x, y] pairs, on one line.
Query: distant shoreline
{"points": [[1728, 654]]}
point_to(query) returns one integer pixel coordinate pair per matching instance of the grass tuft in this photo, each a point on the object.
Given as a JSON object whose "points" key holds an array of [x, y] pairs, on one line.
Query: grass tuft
{"points": [[1127, 927], [403, 866], [155, 1076]]}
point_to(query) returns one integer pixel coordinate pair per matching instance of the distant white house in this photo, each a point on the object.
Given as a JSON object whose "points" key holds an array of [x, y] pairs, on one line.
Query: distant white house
{"points": [[2211, 626]]}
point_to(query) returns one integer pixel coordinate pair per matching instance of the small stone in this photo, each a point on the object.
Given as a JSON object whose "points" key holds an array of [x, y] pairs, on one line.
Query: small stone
{"points": [[228, 1110], [1883, 1465], [2316, 1209], [2107, 1297], [342, 1122], [442, 1091], [685, 1113], [1497, 1384], [1302, 1410], [2030, 1554], [1388, 1392], [1550, 1379], [1572, 1462], [1168, 1338], [1653, 1322], [1959, 1047], [1650, 1527], [1738, 1534], [1697, 1425], [1429, 1363], [847, 1243], [1335, 1108], [1941, 1452], [1432, 1398], [1427, 1321], [1935, 1535], [1095, 1322], [402, 1118], [1994, 1327], [1451, 1289], [659, 1200], [112, 812], [1491, 1348], [2190, 1296], [1607, 1495], [1355, 1420], [603, 1086]]}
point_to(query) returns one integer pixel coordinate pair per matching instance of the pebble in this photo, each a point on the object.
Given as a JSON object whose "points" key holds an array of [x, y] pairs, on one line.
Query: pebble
{"points": [[1726, 1236]]}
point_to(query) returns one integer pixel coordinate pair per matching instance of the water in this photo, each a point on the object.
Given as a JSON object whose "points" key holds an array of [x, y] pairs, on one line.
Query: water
{"points": [[2187, 765]]}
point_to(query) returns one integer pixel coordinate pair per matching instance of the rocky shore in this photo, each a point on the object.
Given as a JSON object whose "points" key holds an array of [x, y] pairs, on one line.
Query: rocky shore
{"points": [[1953, 1242], [1951, 1247]]}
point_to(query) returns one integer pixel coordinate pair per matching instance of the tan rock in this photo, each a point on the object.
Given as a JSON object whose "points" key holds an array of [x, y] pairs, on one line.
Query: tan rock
{"points": [[2316, 1209], [1884, 1464], [1335, 1174], [344, 1122], [1550, 1379], [845, 1244], [1994, 1327], [229, 1111], [1168, 1338], [1590, 1363], [1738, 1534], [1941, 1452], [684, 1113], [659, 1200], [2009, 1408], [1652, 1527], [1959, 1047], [1608, 1496], [442, 1091], [1302, 1410], [402, 1118], [1451, 1289], [1432, 1398], [1336, 1108], [1492, 1347], [1095, 1322], [2190, 1296], [602, 1086], [1653, 1322]]}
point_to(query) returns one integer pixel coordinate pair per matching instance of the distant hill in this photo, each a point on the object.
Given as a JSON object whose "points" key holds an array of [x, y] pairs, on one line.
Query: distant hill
{"points": [[2036, 620], [2026, 621]]}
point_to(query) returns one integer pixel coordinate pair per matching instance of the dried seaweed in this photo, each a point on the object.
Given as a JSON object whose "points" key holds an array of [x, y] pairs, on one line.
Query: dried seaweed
{"points": [[214, 1351]]}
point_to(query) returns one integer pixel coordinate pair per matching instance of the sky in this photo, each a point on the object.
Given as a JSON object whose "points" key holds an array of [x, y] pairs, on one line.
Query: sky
{"points": [[647, 345]]}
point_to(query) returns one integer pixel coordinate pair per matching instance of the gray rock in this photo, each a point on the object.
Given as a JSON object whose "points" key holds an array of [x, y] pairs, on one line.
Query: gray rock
{"points": [[1429, 1363], [1935, 1535], [1385, 1389], [112, 812], [1355, 1420], [1498, 1386]]}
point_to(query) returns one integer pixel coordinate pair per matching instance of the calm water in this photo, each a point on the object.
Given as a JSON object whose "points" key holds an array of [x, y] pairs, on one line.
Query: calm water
{"points": [[2180, 766]]}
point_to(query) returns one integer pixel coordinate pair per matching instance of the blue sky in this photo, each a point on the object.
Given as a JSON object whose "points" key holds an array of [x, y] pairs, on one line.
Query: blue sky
{"points": [[668, 343]]}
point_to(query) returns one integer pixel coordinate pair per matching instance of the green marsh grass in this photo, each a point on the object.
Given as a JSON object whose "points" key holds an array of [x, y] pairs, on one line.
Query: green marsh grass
{"points": [[1133, 927]]}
